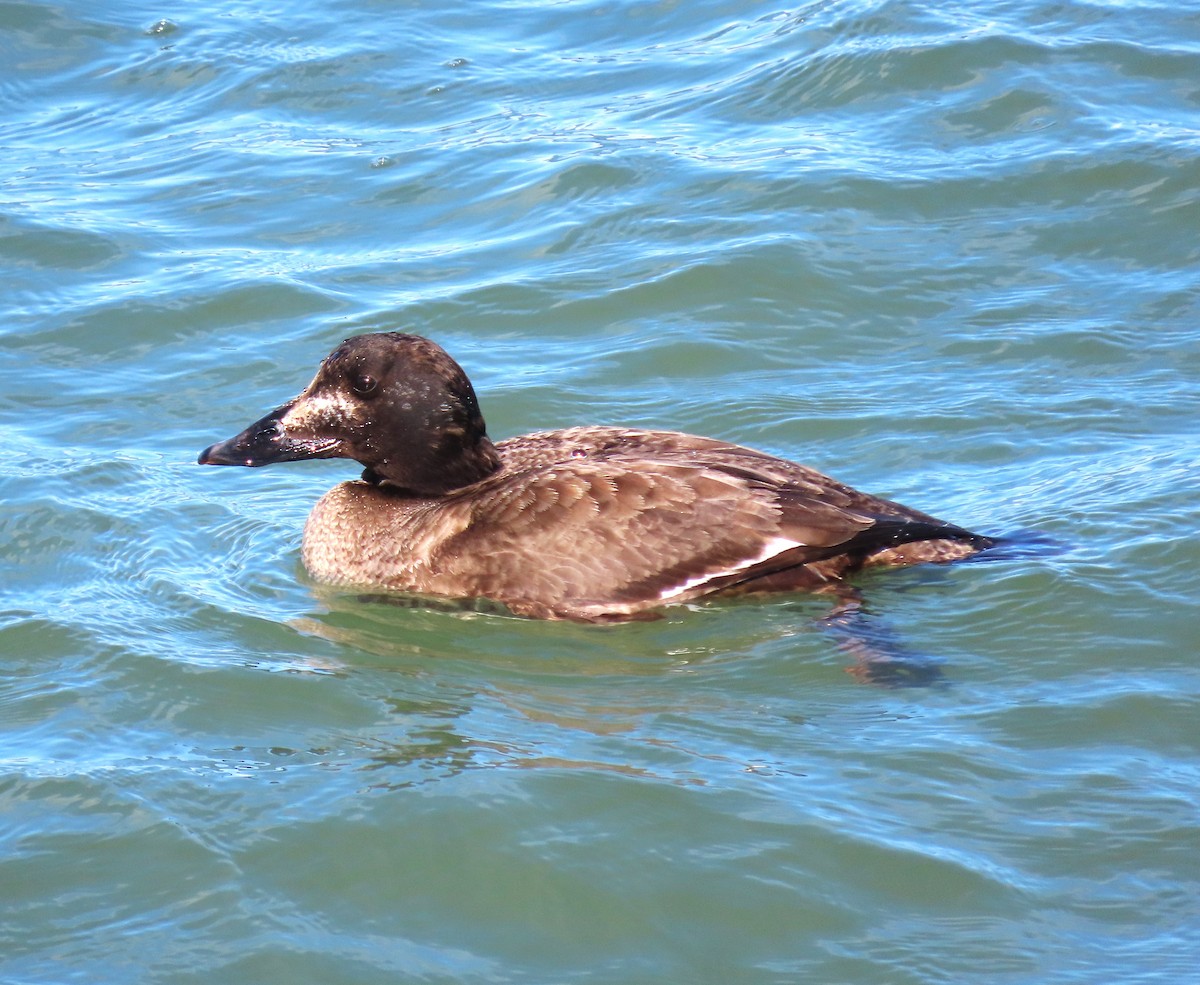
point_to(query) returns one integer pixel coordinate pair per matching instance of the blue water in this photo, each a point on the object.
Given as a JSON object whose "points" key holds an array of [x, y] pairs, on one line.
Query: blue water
{"points": [[947, 255]]}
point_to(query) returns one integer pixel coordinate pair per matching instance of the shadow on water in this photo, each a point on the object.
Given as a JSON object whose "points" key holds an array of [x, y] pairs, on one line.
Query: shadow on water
{"points": [[880, 656]]}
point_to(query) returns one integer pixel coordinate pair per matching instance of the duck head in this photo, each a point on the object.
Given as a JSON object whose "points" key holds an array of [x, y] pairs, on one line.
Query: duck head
{"points": [[395, 403]]}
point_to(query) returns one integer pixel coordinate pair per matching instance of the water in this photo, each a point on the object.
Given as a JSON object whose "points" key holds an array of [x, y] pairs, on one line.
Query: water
{"points": [[946, 255]]}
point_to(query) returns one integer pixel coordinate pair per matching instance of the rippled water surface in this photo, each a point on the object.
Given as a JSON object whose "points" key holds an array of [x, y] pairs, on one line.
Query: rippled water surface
{"points": [[946, 254]]}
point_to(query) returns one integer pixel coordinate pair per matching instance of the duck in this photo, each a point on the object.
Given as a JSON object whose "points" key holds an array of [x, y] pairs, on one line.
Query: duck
{"points": [[592, 524]]}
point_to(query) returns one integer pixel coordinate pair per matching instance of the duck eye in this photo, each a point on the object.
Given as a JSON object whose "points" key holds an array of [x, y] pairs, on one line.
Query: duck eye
{"points": [[364, 386]]}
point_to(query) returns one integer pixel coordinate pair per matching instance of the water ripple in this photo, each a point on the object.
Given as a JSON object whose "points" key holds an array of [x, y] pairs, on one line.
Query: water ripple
{"points": [[944, 254]]}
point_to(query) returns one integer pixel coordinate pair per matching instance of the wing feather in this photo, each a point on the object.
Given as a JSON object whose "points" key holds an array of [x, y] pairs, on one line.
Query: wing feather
{"points": [[635, 530]]}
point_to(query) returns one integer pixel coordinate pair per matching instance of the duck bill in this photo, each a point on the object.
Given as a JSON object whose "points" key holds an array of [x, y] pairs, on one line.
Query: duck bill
{"points": [[270, 440]]}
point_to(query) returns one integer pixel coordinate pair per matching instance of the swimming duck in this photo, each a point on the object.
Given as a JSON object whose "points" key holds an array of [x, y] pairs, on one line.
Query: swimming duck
{"points": [[586, 523]]}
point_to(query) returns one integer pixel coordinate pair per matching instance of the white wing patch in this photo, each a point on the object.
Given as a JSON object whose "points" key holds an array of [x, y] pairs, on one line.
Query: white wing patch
{"points": [[774, 546]]}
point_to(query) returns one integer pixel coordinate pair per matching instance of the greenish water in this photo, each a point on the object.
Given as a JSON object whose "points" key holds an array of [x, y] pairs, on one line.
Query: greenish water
{"points": [[946, 255]]}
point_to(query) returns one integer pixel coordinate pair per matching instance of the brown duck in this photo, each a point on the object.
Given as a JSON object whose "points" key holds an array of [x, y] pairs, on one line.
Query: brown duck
{"points": [[587, 523]]}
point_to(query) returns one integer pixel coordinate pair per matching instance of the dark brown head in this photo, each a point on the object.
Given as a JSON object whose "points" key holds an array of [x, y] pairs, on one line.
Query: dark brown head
{"points": [[396, 403]]}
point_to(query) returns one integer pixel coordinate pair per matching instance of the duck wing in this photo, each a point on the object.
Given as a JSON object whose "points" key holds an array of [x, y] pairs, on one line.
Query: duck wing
{"points": [[612, 536]]}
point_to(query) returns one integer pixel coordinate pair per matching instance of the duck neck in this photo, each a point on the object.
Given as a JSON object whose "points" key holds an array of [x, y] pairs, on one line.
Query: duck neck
{"points": [[452, 466], [469, 465]]}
